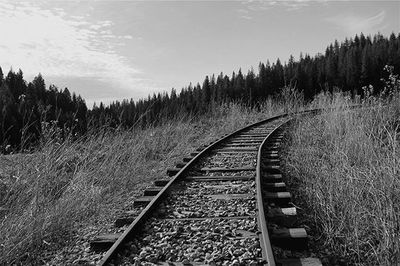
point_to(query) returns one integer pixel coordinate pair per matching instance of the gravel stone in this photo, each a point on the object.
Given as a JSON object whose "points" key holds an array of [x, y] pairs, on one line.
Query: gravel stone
{"points": [[192, 200], [229, 161], [192, 241]]}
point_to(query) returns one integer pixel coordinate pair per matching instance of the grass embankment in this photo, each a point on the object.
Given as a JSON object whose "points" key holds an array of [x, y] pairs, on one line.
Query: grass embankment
{"points": [[346, 167], [67, 185]]}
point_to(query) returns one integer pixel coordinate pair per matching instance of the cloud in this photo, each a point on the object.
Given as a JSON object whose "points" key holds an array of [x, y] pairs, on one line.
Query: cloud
{"points": [[353, 24], [36, 39], [261, 5]]}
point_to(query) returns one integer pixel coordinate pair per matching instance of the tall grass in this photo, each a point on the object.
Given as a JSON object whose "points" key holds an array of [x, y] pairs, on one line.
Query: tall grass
{"points": [[346, 166], [346, 163], [68, 184]]}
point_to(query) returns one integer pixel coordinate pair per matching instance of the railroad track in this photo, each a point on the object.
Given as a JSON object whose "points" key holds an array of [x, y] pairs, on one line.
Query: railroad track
{"points": [[227, 204]]}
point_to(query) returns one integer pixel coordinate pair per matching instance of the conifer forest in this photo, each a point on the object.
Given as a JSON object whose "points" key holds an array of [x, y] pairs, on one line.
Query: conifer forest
{"points": [[28, 109]]}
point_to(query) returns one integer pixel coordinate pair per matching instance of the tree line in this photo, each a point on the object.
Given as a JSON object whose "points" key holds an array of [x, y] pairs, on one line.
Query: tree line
{"points": [[26, 108], [349, 65]]}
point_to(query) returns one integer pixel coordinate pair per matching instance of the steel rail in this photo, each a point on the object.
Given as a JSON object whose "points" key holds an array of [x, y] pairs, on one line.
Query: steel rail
{"points": [[268, 253], [136, 226]]}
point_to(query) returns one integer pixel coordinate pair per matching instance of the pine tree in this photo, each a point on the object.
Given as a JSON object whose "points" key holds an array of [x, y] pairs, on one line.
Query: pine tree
{"points": [[1, 76], [206, 88]]}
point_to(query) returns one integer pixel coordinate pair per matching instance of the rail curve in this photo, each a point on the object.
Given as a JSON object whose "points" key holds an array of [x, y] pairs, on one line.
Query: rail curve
{"points": [[215, 165]]}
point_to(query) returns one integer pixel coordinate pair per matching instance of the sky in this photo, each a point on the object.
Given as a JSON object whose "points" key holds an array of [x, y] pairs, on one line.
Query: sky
{"points": [[112, 50]]}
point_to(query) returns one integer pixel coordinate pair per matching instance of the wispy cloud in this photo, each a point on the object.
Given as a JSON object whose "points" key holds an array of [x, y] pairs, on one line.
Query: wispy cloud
{"points": [[59, 45], [260, 5], [352, 24]]}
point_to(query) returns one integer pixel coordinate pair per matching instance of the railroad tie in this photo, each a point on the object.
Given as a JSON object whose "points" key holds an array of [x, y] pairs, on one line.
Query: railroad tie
{"points": [[126, 218], [152, 191], [244, 141], [144, 200], [223, 169], [290, 238], [276, 143], [271, 161], [249, 139], [275, 187], [272, 145], [282, 216], [226, 201], [276, 138], [103, 242], [299, 262], [219, 178], [272, 178], [279, 198], [249, 136], [180, 164], [275, 212], [273, 169], [237, 149], [240, 145], [178, 167], [235, 152], [269, 152], [172, 171], [271, 156], [160, 182]]}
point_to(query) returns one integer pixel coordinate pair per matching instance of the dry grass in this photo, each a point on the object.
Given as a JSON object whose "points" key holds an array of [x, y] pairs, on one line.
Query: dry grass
{"points": [[64, 186], [347, 169], [347, 164]]}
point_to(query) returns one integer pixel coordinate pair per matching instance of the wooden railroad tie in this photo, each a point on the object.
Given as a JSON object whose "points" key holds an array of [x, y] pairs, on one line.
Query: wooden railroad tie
{"points": [[290, 238], [280, 198], [275, 187], [299, 262], [142, 201], [161, 182], [152, 191], [219, 178], [222, 169], [272, 178], [276, 209], [103, 242], [273, 169], [282, 216]]}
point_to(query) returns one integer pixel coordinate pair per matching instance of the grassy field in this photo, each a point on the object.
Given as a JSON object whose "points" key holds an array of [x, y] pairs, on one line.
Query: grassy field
{"points": [[64, 186], [346, 167]]}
